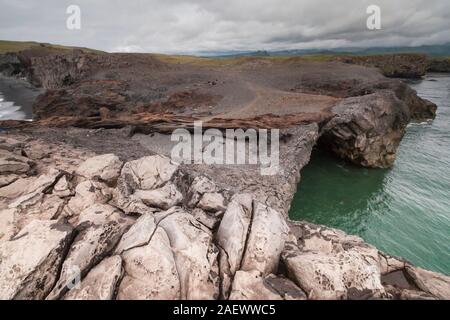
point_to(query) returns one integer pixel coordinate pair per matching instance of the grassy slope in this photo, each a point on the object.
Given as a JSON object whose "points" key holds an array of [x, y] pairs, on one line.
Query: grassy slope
{"points": [[15, 46], [234, 61]]}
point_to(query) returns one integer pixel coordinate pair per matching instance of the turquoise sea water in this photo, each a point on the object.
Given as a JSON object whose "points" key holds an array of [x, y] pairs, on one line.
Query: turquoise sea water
{"points": [[404, 210]]}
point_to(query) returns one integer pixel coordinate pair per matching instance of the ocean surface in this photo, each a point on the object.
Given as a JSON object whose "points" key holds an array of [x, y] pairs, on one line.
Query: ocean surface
{"points": [[16, 99], [8, 110], [404, 210]]}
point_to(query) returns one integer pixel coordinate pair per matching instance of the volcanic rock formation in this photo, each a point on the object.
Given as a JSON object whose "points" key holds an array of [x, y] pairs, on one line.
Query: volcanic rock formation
{"points": [[92, 207], [70, 235]]}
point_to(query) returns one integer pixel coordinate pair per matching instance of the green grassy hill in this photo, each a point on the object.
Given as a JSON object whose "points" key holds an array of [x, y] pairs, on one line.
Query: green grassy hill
{"points": [[15, 46]]}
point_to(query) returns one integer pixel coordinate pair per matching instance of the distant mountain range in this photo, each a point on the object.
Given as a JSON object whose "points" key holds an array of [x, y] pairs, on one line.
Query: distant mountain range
{"points": [[432, 50]]}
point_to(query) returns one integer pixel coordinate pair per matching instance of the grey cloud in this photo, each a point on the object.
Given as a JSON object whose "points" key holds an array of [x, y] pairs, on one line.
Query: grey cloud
{"points": [[188, 26]]}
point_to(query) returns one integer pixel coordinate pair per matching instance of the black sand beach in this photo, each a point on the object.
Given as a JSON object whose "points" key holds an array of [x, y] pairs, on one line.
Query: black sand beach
{"points": [[20, 92]]}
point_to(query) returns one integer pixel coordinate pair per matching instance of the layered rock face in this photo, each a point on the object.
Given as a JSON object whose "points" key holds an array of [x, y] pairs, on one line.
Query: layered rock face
{"points": [[420, 109], [361, 113], [10, 65], [368, 129], [411, 65], [101, 228], [439, 65], [393, 65]]}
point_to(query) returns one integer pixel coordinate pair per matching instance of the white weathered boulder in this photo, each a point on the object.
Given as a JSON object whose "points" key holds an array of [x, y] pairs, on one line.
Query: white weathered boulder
{"points": [[99, 214], [90, 246], [40, 207], [195, 256], [212, 202], [13, 163], [10, 144], [36, 151], [87, 193], [24, 190], [16, 188], [33, 200], [390, 264], [284, 287], [30, 261], [138, 235], [312, 264], [161, 198], [331, 275], [251, 285], [434, 283], [100, 282], [130, 203], [199, 186], [268, 234], [7, 179], [150, 271], [209, 219], [147, 173], [415, 295], [62, 188], [231, 237], [7, 224], [104, 167]]}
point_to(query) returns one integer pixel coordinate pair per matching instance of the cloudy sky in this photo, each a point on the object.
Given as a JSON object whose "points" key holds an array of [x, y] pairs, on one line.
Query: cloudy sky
{"points": [[189, 26]]}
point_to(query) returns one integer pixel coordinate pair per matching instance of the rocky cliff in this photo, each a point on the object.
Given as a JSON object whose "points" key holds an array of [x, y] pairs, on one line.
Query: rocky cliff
{"points": [[93, 208], [369, 112], [400, 65], [392, 65], [439, 65], [75, 225]]}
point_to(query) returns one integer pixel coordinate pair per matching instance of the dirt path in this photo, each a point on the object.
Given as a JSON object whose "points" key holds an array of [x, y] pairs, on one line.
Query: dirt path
{"points": [[278, 102]]}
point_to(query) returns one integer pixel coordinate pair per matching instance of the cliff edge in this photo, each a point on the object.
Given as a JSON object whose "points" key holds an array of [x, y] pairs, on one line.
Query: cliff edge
{"points": [[92, 207]]}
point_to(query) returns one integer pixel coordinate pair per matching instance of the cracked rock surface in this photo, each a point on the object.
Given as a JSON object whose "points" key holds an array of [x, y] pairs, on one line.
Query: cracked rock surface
{"points": [[76, 225]]}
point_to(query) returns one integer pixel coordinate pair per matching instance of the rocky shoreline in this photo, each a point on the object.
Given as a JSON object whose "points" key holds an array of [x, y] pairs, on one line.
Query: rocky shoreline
{"points": [[148, 229], [412, 65], [90, 193], [21, 92]]}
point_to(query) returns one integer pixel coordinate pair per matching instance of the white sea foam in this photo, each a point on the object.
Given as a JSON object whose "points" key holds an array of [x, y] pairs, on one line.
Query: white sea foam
{"points": [[9, 111], [422, 123]]}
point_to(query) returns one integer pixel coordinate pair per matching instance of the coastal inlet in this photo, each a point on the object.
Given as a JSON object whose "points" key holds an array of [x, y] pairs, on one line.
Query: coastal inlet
{"points": [[16, 99], [404, 210]]}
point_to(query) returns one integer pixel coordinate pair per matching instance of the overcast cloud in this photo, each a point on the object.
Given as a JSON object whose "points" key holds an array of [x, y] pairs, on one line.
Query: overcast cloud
{"points": [[189, 26]]}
